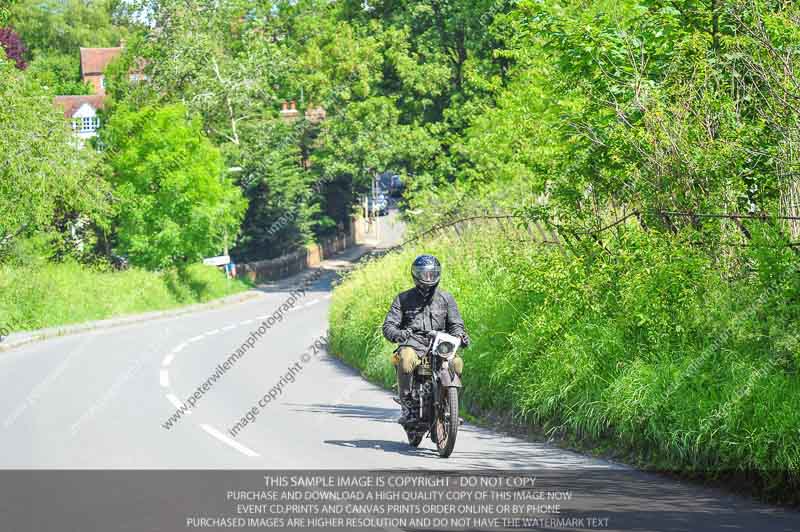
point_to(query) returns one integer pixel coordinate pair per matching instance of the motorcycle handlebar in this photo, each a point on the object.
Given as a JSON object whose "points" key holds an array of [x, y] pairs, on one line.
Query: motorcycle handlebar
{"points": [[427, 334], [431, 334]]}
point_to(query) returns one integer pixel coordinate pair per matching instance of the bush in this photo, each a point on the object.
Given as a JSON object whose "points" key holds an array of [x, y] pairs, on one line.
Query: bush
{"points": [[647, 347]]}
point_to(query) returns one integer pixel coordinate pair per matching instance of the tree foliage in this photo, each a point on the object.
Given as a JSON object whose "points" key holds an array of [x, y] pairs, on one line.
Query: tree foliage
{"points": [[59, 74], [281, 210], [55, 30], [63, 26], [646, 105], [43, 176], [12, 45], [578, 112], [174, 201]]}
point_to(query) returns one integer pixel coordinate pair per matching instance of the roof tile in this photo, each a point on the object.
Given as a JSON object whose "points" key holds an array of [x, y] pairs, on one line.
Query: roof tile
{"points": [[95, 60], [70, 104]]}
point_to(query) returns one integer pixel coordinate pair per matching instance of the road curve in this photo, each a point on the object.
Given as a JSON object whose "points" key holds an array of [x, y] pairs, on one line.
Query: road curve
{"points": [[102, 400]]}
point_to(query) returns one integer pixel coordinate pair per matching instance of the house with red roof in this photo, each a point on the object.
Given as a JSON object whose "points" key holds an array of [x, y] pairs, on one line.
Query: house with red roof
{"points": [[81, 110], [93, 65]]}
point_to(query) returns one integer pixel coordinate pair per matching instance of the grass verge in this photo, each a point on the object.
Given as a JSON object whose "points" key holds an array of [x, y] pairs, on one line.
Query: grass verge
{"points": [[647, 352], [62, 293]]}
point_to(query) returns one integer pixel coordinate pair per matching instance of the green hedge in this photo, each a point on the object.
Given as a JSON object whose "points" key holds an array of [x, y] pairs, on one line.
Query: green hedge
{"points": [[646, 349], [50, 294]]}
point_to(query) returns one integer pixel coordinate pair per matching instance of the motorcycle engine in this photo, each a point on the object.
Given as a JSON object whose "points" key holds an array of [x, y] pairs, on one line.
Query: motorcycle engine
{"points": [[425, 366]]}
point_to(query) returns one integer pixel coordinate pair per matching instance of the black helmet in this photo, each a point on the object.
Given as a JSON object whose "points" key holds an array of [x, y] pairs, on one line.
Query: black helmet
{"points": [[426, 272]]}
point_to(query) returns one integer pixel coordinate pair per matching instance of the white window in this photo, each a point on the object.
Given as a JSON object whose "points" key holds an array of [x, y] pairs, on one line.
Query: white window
{"points": [[103, 82], [88, 124]]}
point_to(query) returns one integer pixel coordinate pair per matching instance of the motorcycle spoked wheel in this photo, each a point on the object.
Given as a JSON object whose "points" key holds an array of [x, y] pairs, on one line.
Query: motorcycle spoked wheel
{"points": [[445, 428]]}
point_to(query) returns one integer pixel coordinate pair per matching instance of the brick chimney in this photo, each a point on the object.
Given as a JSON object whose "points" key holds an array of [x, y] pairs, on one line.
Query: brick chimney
{"points": [[289, 112]]}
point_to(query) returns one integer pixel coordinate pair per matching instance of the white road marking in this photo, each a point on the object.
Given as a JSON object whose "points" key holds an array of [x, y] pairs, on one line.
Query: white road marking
{"points": [[312, 302], [179, 348], [265, 316], [229, 327], [167, 360], [212, 332], [327, 296], [163, 378], [195, 338], [177, 402], [225, 439], [246, 322]]}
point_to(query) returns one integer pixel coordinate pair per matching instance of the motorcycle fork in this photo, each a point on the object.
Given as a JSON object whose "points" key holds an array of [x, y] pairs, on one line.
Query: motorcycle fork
{"points": [[435, 386], [416, 393]]}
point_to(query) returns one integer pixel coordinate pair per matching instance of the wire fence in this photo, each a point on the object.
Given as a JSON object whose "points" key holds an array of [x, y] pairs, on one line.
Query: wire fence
{"points": [[548, 231]]}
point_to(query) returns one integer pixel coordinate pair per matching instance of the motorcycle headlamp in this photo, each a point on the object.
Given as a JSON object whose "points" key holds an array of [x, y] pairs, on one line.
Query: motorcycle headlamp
{"points": [[445, 348]]}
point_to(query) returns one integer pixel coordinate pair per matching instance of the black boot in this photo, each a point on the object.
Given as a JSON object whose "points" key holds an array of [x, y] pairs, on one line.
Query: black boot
{"points": [[407, 405], [408, 410], [405, 415]]}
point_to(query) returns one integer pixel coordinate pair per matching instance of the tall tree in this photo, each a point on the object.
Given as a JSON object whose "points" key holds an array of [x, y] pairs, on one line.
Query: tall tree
{"points": [[42, 173], [59, 74], [228, 63], [54, 30], [62, 26], [282, 212], [175, 202]]}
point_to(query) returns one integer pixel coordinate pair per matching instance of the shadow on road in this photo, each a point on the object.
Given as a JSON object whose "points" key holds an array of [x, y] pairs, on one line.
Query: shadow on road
{"points": [[374, 413], [314, 280], [509, 452], [396, 447], [324, 277]]}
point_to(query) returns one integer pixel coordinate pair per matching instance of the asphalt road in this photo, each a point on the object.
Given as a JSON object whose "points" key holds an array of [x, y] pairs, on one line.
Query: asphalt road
{"points": [[101, 399]]}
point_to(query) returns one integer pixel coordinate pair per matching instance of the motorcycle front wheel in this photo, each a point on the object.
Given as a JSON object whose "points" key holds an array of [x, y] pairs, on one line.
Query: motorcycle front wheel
{"points": [[446, 426]]}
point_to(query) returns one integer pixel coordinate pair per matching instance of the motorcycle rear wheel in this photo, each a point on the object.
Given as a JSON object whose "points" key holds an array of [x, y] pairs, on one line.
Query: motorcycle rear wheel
{"points": [[446, 427]]}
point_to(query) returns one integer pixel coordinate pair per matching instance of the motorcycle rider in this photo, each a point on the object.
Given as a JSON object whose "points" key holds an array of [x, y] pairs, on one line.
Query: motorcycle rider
{"points": [[412, 315]]}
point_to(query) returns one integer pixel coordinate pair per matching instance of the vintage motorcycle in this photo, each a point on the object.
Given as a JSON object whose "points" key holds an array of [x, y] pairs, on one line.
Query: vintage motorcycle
{"points": [[434, 391]]}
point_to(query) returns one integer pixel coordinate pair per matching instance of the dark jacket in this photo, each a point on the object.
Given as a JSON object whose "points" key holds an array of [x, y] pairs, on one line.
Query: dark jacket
{"points": [[411, 310]]}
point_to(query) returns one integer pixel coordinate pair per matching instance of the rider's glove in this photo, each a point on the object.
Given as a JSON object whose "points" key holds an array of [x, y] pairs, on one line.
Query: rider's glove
{"points": [[405, 334], [465, 341]]}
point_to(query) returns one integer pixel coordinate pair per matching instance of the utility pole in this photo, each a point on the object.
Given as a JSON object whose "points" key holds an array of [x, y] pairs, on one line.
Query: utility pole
{"points": [[375, 205], [231, 170]]}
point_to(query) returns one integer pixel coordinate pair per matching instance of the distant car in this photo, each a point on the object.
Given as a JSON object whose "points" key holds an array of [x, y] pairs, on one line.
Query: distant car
{"points": [[390, 184], [378, 203], [396, 185], [385, 180], [119, 262]]}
